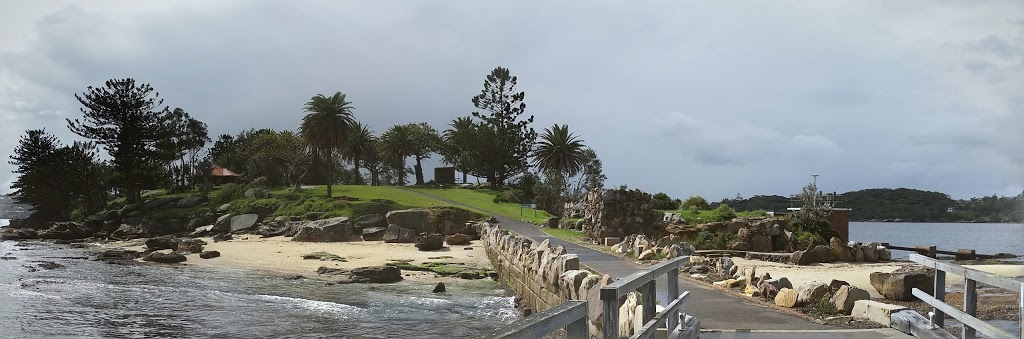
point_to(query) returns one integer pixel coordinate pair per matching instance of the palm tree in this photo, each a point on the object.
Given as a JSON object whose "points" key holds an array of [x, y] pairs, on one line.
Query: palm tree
{"points": [[559, 150], [456, 143], [360, 143], [394, 146], [325, 129], [373, 162]]}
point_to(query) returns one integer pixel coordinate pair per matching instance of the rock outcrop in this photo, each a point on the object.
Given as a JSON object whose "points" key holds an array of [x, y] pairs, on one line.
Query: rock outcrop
{"points": [[374, 233], [457, 239], [846, 296], [209, 254], [326, 230], [429, 242], [398, 234], [899, 284], [811, 291], [414, 219], [165, 258]]}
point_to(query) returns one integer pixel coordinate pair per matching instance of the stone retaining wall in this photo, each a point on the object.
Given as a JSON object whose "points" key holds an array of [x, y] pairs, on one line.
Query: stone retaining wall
{"points": [[618, 213], [541, 275]]}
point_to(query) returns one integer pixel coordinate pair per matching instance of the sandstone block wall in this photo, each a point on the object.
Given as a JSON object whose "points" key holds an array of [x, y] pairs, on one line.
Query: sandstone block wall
{"points": [[543, 276], [618, 213]]}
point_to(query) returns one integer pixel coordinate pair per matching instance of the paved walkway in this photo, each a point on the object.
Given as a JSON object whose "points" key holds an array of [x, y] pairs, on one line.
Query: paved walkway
{"points": [[715, 309]]}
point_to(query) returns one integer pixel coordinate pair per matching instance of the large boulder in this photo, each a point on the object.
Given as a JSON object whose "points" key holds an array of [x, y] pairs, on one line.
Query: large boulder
{"points": [[870, 252], [256, 193], [786, 298], [398, 234], [165, 258], [739, 245], [189, 245], [899, 284], [839, 249], [415, 219], [17, 233], [801, 258], [811, 291], [189, 202], [243, 222], [822, 253], [552, 222], [760, 243], [166, 242], [430, 241], [770, 287], [209, 254], [847, 296], [160, 203], [370, 220], [457, 239], [374, 233], [884, 254], [223, 223], [376, 274], [326, 230]]}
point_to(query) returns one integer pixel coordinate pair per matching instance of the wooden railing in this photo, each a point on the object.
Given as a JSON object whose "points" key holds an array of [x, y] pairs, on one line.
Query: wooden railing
{"points": [[644, 282], [571, 315], [967, 316]]}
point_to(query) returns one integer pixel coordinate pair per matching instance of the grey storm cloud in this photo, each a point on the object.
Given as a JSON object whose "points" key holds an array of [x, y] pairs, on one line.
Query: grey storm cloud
{"points": [[712, 99]]}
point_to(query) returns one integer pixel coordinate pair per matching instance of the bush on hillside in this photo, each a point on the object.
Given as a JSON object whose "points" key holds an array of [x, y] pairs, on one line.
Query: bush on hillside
{"points": [[264, 206], [311, 204], [722, 213], [229, 193], [696, 202], [512, 195]]}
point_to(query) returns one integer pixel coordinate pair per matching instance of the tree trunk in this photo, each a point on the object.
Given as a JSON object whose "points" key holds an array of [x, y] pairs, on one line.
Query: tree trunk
{"points": [[401, 172], [330, 174], [359, 176], [419, 172], [464, 177]]}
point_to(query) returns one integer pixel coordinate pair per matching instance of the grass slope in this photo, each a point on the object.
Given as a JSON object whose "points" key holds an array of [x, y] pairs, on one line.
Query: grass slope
{"points": [[365, 193], [484, 200]]}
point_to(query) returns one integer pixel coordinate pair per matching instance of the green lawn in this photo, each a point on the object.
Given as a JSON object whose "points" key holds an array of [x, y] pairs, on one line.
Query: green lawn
{"points": [[564, 234], [484, 200], [366, 193]]}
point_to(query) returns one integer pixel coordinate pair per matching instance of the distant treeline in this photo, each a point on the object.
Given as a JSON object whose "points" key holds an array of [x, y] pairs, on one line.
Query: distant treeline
{"points": [[903, 204]]}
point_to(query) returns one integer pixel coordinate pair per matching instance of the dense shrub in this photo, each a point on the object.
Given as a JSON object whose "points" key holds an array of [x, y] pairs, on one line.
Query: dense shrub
{"points": [[705, 240], [312, 204], [229, 193], [696, 202], [512, 195], [662, 201], [722, 213]]}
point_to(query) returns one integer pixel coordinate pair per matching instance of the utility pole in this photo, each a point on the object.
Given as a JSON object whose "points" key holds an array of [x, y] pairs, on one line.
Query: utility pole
{"points": [[815, 189]]}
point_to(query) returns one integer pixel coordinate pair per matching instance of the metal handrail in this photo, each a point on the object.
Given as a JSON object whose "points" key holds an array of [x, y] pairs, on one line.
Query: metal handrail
{"points": [[967, 315], [644, 281], [571, 315]]}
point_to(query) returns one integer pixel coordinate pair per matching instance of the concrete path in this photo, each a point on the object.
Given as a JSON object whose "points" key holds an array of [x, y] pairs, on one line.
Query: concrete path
{"points": [[715, 309]]}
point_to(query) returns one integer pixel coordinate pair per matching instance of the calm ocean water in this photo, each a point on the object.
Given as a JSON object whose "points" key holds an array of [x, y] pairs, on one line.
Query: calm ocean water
{"points": [[983, 238], [91, 299]]}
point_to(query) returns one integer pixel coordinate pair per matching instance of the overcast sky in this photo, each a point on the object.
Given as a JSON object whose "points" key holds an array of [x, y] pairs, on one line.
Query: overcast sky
{"points": [[716, 98]]}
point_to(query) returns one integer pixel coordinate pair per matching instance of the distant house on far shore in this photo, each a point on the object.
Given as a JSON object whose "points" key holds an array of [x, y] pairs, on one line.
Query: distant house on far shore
{"points": [[223, 175]]}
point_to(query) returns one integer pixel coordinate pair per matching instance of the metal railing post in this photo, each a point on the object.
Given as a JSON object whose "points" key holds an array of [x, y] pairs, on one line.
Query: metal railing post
{"points": [[578, 329], [970, 305], [673, 291], [939, 318], [610, 318], [649, 292]]}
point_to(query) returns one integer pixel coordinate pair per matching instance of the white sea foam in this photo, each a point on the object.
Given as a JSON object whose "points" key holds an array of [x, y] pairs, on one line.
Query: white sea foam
{"points": [[316, 306]]}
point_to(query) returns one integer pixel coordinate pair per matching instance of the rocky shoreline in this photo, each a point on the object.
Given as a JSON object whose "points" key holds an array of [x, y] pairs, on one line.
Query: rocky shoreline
{"points": [[373, 248]]}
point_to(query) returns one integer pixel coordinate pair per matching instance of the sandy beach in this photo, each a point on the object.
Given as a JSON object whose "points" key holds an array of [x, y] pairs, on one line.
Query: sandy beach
{"points": [[858, 274], [280, 255]]}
